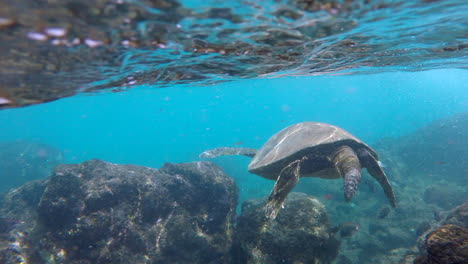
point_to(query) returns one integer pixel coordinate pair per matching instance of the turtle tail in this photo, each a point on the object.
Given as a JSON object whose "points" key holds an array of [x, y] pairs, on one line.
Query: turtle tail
{"points": [[211, 153]]}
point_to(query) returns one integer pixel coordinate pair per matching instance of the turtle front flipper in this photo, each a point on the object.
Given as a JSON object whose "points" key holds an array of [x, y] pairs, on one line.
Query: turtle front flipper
{"points": [[287, 179], [377, 173], [347, 163], [211, 153]]}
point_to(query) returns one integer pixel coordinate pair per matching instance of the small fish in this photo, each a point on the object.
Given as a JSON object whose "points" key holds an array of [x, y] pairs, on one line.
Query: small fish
{"points": [[440, 162], [383, 212], [328, 196], [347, 229], [239, 143]]}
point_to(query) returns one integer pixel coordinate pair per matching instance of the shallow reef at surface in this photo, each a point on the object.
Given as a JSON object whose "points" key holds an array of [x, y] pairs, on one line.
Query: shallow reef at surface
{"points": [[55, 49]]}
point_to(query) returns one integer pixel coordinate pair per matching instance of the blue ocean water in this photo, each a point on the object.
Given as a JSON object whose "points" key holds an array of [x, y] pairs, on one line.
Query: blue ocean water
{"points": [[149, 82], [150, 127]]}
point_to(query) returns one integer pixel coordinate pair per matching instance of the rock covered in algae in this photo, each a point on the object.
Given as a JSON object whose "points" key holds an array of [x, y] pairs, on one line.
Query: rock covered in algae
{"points": [[447, 243], [300, 233], [98, 212]]}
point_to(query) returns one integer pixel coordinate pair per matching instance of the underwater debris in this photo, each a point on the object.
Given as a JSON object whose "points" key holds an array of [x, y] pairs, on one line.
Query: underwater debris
{"points": [[6, 22], [37, 36], [93, 43], [4, 101], [55, 32]]}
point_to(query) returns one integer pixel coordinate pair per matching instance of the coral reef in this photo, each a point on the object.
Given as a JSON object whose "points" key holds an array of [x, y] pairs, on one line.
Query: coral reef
{"points": [[98, 212], [54, 49], [448, 242], [300, 233]]}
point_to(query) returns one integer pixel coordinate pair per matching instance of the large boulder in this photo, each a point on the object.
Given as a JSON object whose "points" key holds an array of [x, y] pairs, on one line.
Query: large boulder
{"points": [[98, 212], [300, 233]]}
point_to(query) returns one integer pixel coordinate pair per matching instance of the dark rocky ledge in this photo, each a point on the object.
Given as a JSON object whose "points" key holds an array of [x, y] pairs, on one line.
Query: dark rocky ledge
{"points": [[99, 212]]}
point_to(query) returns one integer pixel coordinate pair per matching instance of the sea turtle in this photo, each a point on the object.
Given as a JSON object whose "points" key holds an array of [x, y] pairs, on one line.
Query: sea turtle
{"points": [[310, 149]]}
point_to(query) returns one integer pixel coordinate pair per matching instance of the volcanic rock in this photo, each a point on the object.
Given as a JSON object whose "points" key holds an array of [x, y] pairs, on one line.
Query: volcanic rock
{"points": [[99, 212], [300, 233]]}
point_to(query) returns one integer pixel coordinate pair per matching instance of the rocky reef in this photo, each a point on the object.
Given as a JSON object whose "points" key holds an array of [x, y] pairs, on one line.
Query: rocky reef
{"points": [[54, 49], [301, 233], [436, 149], [448, 242], [98, 212]]}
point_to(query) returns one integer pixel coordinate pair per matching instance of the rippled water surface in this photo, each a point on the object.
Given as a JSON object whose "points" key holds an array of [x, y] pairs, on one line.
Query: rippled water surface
{"points": [[391, 73], [53, 49]]}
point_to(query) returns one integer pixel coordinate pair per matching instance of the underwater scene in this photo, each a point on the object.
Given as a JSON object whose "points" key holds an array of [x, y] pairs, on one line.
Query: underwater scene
{"points": [[232, 132]]}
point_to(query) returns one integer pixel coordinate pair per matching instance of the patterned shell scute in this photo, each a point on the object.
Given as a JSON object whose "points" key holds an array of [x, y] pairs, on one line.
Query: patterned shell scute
{"points": [[298, 137]]}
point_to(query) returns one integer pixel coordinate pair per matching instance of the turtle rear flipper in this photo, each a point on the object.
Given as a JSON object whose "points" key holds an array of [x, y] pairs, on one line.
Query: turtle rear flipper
{"points": [[288, 178], [377, 173], [347, 163], [211, 153]]}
